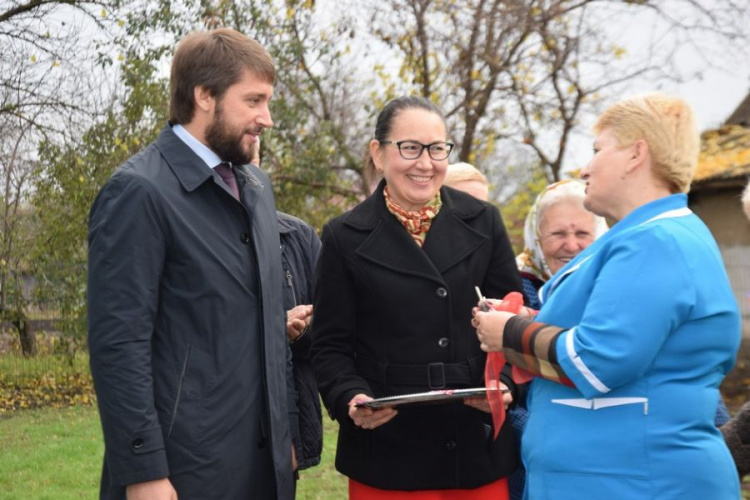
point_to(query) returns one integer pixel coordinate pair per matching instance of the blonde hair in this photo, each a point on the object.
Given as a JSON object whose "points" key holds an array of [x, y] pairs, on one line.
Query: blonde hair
{"points": [[667, 125], [460, 172]]}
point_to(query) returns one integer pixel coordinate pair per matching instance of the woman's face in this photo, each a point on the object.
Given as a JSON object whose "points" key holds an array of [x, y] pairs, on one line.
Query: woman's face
{"points": [[565, 229], [412, 183], [603, 174]]}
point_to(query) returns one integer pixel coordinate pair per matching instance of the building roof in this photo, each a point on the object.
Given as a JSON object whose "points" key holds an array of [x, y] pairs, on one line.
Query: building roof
{"points": [[725, 152], [741, 115]]}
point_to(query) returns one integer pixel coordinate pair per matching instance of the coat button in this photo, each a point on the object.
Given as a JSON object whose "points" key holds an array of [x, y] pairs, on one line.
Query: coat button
{"points": [[245, 238], [443, 342], [137, 443], [450, 445], [441, 292]]}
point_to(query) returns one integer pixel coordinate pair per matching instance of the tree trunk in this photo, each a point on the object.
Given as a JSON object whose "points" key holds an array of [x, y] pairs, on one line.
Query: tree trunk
{"points": [[25, 335]]}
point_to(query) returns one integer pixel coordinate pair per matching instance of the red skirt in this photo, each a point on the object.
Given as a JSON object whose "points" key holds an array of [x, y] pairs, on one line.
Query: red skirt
{"points": [[493, 491]]}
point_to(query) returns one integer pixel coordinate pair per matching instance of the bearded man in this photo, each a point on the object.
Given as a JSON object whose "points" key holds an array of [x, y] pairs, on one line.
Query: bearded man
{"points": [[185, 312]]}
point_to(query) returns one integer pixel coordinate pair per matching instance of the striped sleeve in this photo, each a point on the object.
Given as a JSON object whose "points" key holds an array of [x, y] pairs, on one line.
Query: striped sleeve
{"points": [[531, 346]]}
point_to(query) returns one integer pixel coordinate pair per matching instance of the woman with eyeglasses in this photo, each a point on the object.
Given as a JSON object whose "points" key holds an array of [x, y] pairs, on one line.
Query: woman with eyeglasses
{"points": [[393, 297]]}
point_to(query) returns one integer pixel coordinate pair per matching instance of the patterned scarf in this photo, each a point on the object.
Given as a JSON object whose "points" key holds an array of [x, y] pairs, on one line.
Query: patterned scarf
{"points": [[416, 223]]}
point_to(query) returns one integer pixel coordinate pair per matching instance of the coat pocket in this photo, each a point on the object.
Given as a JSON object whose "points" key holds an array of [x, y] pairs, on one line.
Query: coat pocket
{"points": [[179, 390]]}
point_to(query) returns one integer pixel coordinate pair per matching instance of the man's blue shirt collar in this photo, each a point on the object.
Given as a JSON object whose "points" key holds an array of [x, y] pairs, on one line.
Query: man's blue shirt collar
{"points": [[204, 152]]}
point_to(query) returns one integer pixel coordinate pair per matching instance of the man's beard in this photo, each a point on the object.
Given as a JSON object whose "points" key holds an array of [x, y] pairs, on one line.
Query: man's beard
{"points": [[226, 144]]}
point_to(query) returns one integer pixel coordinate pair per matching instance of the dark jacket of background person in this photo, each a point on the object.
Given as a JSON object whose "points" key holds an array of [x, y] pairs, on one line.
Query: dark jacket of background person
{"points": [[381, 303], [737, 435], [737, 431], [186, 329], [300, 247]]}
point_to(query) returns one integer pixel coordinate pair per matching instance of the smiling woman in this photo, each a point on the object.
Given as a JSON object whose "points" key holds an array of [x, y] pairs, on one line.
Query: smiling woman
{"points": [[557, 229], [393, 295]]}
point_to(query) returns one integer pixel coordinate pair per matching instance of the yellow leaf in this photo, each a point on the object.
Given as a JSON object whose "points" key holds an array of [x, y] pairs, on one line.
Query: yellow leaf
{"points": [[289, 13], [103, 13], [33, 58], [121, 23], [56, 64]]}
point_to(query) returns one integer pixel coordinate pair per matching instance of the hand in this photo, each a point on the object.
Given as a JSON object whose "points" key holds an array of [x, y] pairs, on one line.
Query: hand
{"points": [[160, 489], [294, 459], [490, 326], [527, 312], [297, 320], [367, 418], [481, 403]]}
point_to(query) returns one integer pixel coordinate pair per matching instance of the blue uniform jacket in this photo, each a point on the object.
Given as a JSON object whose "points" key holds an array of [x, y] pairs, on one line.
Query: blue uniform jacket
{"points": [[653, 328]]}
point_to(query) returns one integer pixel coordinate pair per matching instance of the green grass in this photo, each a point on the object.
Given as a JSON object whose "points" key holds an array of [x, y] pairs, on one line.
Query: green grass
{"points": [[56, 454], [323, 482], [50, 454]]}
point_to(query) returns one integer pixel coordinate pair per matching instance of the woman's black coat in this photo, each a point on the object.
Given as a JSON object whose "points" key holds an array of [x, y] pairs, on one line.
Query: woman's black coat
{"points": [[393, 318]]}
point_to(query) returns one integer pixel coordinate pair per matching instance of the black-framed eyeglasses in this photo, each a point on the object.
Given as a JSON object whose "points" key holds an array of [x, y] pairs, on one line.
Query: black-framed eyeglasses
{"points": [[411, 150]]}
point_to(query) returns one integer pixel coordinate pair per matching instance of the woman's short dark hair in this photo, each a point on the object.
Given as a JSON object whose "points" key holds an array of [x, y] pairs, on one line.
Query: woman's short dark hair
{"points": [[384, 123], [216, 60]]}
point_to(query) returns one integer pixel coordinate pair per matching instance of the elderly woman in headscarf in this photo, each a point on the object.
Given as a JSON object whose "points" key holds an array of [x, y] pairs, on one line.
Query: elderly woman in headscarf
{"points": [[557, 228]]}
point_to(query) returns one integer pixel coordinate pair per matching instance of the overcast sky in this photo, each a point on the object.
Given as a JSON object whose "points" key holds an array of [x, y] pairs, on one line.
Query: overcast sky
{"points": [[716, 96]]}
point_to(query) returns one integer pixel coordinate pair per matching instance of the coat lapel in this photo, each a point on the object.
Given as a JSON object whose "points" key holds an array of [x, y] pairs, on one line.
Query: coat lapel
{"points": [[191, 171], [187, 166], [250, 186], [449, 240]]}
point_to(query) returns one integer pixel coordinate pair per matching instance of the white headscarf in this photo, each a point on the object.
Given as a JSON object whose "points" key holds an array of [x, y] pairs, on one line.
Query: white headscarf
{"points": [[532, 260]]}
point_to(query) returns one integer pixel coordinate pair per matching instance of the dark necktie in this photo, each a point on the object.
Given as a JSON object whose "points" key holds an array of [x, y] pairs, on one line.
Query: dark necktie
{"points": [[227, 175]]}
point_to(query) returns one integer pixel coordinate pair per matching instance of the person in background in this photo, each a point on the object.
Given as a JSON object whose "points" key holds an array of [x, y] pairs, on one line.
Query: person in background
{"points": [[467, 178], [300, 247], [635, 334], [557, 228], [189, 357], [394, 288], [737, 430]]}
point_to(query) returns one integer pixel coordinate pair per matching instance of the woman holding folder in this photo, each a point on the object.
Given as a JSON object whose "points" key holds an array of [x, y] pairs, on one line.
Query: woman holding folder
{"points": [[393, 297]]}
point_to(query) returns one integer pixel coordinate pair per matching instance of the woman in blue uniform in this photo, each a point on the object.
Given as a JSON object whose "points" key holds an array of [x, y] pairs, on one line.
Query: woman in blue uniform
{"points": [[635, 334]]}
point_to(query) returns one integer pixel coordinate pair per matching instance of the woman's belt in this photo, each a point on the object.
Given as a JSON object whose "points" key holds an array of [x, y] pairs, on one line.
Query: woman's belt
{"points": [[433, 375]]}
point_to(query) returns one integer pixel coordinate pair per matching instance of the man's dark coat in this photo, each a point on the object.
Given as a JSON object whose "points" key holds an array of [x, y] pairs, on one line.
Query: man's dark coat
{"points": [[186, 329]]}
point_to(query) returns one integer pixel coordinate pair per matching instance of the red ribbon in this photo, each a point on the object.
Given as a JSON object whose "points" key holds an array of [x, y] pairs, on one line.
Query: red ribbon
{"points": [[513, 302]]}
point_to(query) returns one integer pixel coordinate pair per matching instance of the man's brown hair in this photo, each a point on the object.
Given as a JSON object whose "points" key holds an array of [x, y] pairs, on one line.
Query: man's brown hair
{"points": [[216, 60]]}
